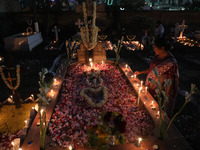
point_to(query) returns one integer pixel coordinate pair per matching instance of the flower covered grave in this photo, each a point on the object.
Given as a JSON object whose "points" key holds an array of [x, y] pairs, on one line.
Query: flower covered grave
{"points": [[74, 113]]}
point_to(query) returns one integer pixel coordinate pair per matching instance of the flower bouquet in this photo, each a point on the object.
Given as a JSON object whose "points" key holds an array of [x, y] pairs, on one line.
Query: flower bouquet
{"points": [[108, 132]]}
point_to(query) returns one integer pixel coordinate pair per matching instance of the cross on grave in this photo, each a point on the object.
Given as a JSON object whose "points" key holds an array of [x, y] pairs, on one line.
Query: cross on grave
{"points": [[182, 28], [56, 30], [79, 23]]}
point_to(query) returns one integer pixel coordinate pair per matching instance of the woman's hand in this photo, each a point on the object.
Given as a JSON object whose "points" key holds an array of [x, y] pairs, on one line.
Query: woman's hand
{"points": [[137, 73], [141, 72]]}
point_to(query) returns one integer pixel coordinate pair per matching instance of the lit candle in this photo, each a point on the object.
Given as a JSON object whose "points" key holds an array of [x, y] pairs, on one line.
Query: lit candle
{"points": [[131, 76], [70, 147], [32, 95], [135, 76], [91, 64], [152, 103], [146, 91], [19, 149], [126, 66], [102, 62], [90, 59], [158, 113], [41, 111], [141, 83], [13, 144], [138, 142], [36, 107], [139, 95]]}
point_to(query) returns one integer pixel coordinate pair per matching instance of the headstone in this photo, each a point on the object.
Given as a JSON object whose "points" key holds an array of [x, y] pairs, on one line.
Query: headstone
{"points": [[21, 42]]}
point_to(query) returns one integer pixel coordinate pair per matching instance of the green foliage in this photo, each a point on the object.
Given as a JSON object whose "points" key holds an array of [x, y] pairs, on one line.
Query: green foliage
{"points": [[43, 101], [99, 135], [70, 46], [163, 98], [117, 48]]}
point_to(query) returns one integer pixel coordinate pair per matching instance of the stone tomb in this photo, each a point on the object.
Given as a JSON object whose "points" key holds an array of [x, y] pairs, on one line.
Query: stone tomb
{"points": [[98, 54], [22, 41]]}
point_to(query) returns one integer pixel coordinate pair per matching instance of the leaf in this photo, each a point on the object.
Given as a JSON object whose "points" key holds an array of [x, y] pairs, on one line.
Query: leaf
{"points": [[155, 72]]}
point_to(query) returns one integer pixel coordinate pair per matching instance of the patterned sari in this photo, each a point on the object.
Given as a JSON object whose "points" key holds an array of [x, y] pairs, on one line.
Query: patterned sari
{"points": [[167, 68]]}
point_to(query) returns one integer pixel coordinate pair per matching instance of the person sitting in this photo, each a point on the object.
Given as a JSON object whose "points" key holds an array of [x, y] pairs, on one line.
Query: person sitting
{"points": [[167, 67]]}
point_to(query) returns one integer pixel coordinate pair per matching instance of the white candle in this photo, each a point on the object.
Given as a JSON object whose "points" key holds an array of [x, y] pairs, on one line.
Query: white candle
{"points": [[139, 141], [141, 83], [146, 91], [126, 66], [135, 76], [41, 112], [139, 95], [158, 113], [70, 147], [152, 103], [91, 64]]}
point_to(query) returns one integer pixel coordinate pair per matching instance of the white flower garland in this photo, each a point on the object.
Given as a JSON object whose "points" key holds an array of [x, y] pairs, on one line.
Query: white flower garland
{"points": [[10, 86], [95, 84], [90, 101], [93, 89], [89, 41]]}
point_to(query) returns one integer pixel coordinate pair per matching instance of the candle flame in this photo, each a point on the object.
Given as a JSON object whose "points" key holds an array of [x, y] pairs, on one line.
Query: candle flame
{"points": [[12, 143], [70, 147], [139, 140], [90, 59], [41, 111]]}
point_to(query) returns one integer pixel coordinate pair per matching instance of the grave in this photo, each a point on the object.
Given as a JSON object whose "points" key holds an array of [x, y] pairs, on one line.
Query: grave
{"points": [[22, 41]]}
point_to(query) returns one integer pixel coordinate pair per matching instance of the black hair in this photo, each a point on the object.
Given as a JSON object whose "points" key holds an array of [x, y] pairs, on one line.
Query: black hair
{"points": [[161, 42]]}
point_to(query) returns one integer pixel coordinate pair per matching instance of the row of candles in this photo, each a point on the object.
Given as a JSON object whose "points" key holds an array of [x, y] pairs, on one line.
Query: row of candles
{"points": [[140, 86], [16, 145]]}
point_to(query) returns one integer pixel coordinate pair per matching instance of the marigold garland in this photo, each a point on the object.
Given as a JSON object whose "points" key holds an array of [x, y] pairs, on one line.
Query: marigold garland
{"points": [[9, 85]]}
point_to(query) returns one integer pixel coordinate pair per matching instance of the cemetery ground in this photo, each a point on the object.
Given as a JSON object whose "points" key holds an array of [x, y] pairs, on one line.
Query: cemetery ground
{"points": [[188, 122]]}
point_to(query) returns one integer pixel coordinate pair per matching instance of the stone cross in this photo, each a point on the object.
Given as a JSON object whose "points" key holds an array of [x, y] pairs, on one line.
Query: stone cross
{"points": [[182, 28], [79, 23]]}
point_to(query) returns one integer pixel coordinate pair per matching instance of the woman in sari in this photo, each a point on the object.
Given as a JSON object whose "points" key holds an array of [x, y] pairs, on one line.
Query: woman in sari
{"points": [[167, 68]]}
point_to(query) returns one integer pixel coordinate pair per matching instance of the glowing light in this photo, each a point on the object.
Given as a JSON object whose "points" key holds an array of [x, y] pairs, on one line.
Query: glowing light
{"points": [[70, 147], [90, 59], [41, 111]]}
